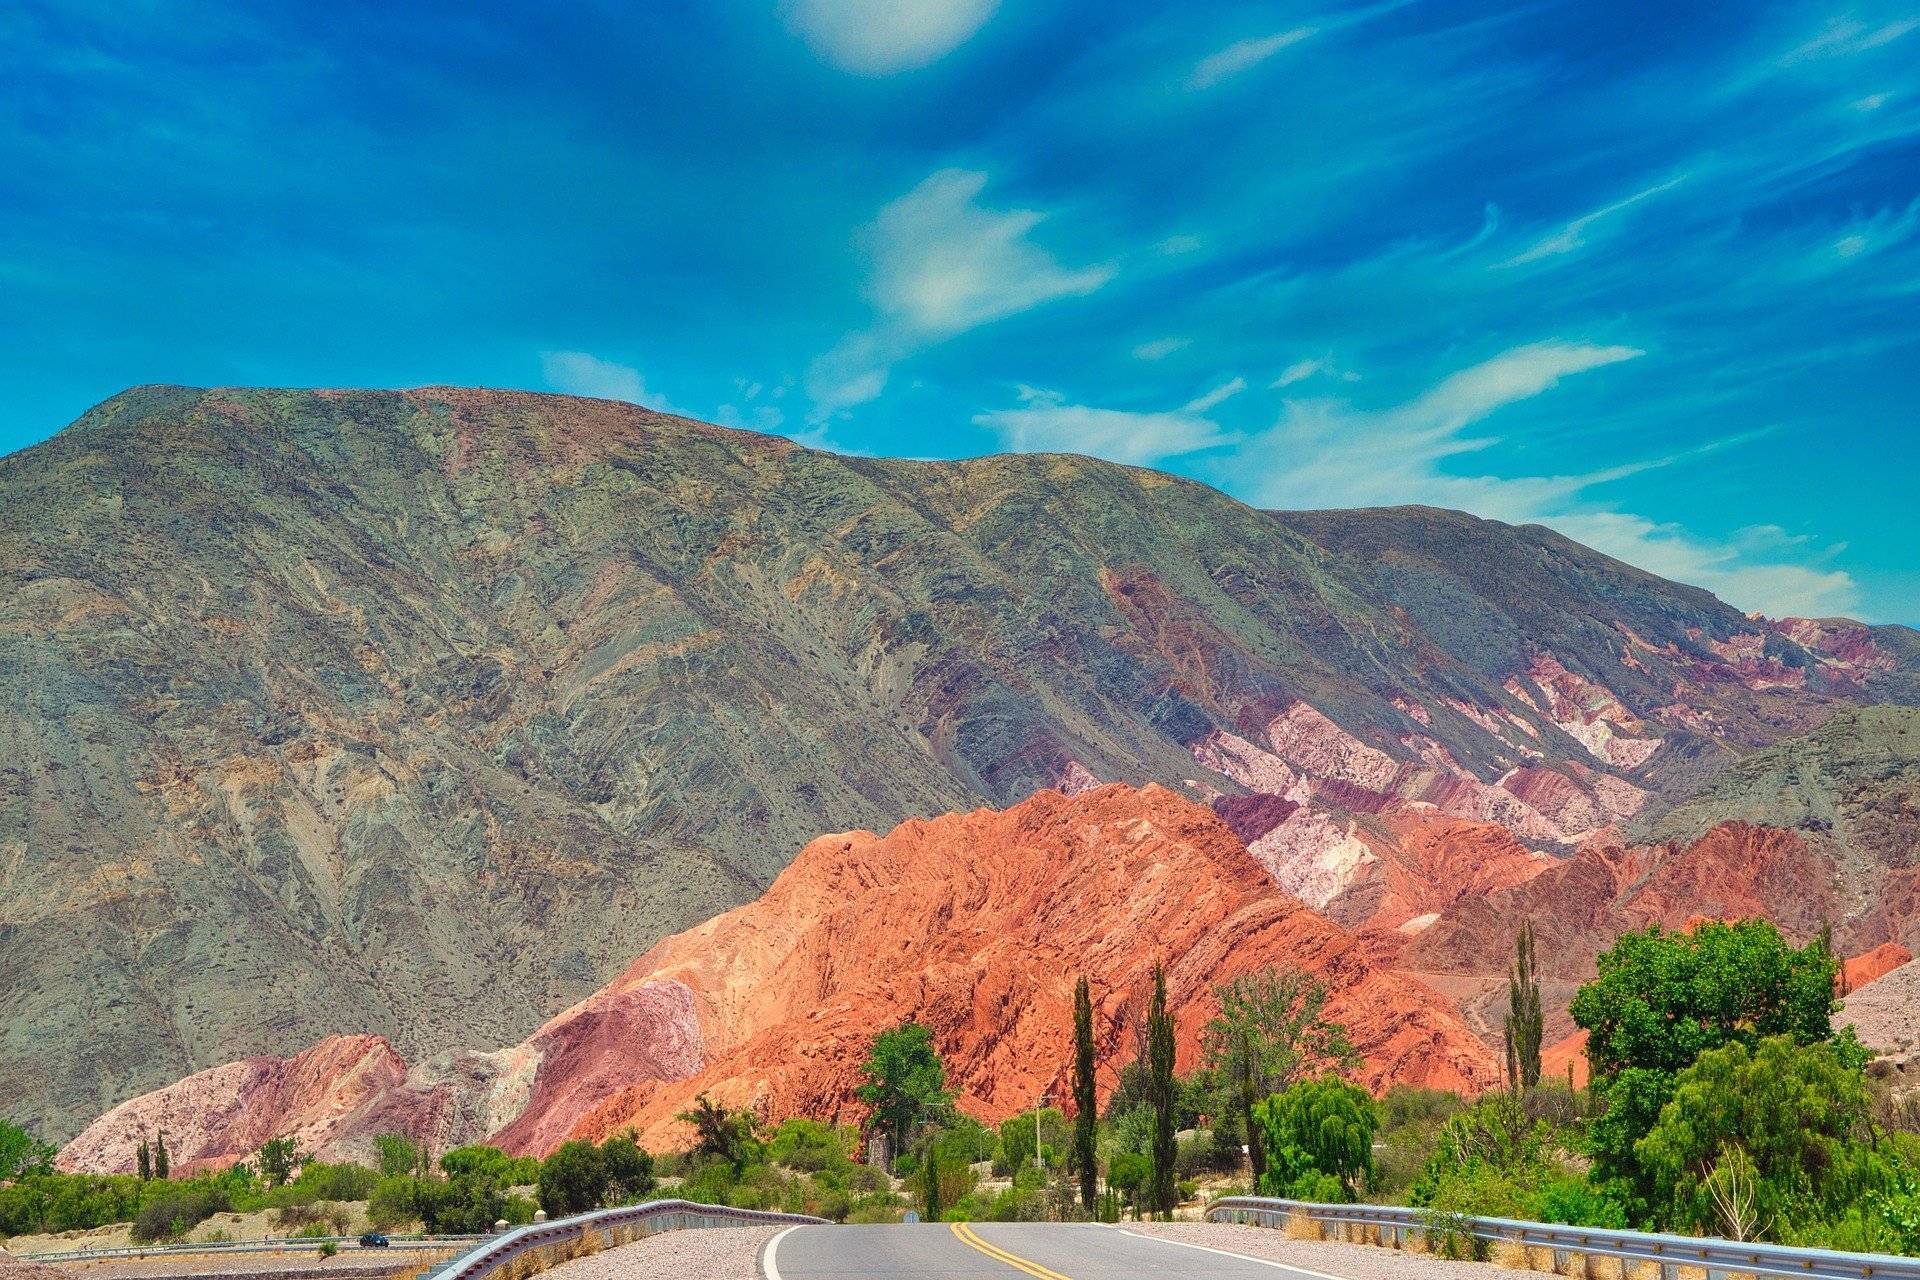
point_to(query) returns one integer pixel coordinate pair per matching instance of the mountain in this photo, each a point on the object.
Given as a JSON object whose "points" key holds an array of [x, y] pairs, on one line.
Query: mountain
{"points": [[975, 924], [420, 714]]}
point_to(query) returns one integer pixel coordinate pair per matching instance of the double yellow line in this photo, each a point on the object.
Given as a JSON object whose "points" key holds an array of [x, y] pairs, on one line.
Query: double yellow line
{"points": [[971, 1239]]}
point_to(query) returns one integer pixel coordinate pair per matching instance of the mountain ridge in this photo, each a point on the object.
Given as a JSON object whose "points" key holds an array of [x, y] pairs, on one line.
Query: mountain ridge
{"points": [[316, 707]]}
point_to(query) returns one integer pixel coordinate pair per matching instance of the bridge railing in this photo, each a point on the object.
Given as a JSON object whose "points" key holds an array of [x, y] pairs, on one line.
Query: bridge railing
{"points": [[550, 1242], [1677, 1257]]}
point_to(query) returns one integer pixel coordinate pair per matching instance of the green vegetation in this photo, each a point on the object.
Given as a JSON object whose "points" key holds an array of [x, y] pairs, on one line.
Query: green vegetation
{"points": [[1086, 1114], [906, 1085], [1524, 1023], [1269, 1031], [1318, 1140], [1161, 1095]]}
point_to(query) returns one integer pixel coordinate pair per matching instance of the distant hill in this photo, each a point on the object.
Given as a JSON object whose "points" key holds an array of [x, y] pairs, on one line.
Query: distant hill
{"points": [[422, 713]]}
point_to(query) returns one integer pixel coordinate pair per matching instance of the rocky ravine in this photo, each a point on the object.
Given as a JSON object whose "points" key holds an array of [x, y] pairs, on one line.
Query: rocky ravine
{"points": [[421, 713], [977, 924]]}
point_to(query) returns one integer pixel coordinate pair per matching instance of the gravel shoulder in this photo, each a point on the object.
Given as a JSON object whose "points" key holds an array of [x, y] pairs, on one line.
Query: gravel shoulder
{"points": [[713, 1253], [1346, 1261]]}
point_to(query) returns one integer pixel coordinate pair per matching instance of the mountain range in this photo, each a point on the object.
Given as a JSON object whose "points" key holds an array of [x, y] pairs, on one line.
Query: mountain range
{"points": [[406, 725]]}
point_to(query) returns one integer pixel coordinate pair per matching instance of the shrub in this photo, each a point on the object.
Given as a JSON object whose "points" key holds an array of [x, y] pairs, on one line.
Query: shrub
{"points": [[177, 1211], [810, 1146], [573, 1179], [1322, 1126]]}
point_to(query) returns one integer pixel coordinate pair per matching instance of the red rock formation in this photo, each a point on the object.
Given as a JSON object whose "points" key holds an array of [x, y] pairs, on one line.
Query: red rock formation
{"points": [[976, 924], [1870, 966], [320, 1096]]}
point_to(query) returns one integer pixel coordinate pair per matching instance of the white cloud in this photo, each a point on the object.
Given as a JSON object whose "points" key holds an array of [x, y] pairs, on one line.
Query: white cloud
{"points": [[1216, 397], [1243, 55], [880, 37], [1046, 423], [1160, 348], [579, 373], [940, 263], [1574, 234], [1301, 370], [1844, 37], [1877, 232], [1324, 453]]}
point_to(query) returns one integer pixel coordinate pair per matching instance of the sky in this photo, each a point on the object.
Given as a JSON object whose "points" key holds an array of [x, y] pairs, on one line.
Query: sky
{"points": [[1649, 275]]}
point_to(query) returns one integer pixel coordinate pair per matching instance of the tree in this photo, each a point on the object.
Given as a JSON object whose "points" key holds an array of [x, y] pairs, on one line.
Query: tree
{"points": [[721, 1134], [629, 1168], [1662, 999], [1129, 1173], [1318, 1134], [22, 1154], [1524, 1023], [278, 1158], [1756, 1141], [161, 1164], [573, 1179], [1269, 1032], [396, 1154], [905, 1082], [1085, 1100], [930, 1198], [1161, 1087], [143, 1161]]}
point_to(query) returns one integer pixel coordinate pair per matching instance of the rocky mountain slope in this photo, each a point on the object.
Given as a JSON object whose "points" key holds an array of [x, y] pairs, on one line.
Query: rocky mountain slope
{"points": [[976, 924], [419, 714]]}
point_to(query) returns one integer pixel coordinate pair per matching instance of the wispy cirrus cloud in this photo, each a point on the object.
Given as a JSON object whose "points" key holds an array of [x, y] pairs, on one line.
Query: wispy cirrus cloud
{"points": [[941, 262], [1244, 55], [881, 37], [1575, 234]]}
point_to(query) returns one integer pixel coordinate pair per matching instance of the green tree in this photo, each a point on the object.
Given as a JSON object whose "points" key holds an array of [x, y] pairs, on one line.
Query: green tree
{"points": [[905, 1082], [1758, 1141], [1162, 1091], [1662, 999], [1317, 1134], [629, 1168], [1524, 1023], [21, 1153], [1085, 1100], [930, 1183], [278, 1158], [1270, 1031], [143, 1161], [161, 1164], [396, 1154], [720, 1134], [1128, 1173], [573, 1179]]}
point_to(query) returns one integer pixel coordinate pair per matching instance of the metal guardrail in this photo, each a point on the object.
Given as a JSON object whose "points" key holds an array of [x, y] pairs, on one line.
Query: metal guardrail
{"points": [[1717, 1258], [273, 1244], [649, 1218]]}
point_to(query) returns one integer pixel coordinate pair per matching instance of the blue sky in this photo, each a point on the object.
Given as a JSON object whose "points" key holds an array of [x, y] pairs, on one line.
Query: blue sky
{"points": [[1648, 274]]}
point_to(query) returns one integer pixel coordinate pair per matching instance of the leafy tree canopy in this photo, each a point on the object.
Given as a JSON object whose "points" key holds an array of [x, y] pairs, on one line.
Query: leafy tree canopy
{"points": [[905, 1083], [1318, 1136]]}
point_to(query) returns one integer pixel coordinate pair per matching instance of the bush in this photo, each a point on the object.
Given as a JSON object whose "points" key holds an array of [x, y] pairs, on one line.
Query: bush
{"points": [[330, 1217], [573, 1179], [332, 1182], [392, 1203], [810, 1146], [1322, 1126], [178, 1211], [1194, 1154]]}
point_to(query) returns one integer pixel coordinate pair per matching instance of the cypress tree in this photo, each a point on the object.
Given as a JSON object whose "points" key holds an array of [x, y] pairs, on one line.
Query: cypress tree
{"points": [[143, 1161], [1524, 1021], [1160, 1092], [160, 1156], [933, 1181], [1084, 1098]]}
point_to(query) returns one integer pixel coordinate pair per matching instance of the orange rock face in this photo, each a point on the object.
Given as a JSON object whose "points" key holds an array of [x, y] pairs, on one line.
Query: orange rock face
{"points": [[976, 924]]}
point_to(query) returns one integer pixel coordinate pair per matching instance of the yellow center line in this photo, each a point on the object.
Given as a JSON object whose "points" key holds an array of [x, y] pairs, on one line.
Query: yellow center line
{"points": [[971, 1239]]}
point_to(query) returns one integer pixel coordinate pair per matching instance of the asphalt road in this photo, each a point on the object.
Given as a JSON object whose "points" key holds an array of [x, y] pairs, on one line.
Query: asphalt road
{"points": [[998, 1251]]}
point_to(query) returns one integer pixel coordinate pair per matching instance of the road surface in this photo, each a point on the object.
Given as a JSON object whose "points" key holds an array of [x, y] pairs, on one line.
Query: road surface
{"points": [[1000, 1251]]}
